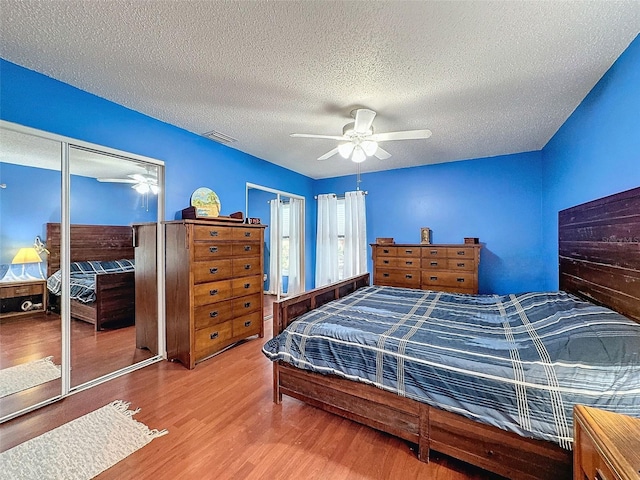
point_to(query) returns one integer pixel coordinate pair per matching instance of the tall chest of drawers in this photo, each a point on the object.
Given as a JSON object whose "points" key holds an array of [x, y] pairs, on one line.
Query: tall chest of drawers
{"points": [[214, 287], [450, 268]]}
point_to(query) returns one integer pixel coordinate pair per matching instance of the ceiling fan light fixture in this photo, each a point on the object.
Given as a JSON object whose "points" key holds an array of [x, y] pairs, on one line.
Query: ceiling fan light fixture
{"points": [[142, 188], [345, 149], [358, 155], [369, 147], [154, 189]]}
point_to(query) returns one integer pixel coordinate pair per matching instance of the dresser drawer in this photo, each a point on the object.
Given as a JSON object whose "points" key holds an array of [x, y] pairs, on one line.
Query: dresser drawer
{"points": [[247, 234], [206, 233], [387, 251], [397, 278], [468, 264], [246, 285], [246, 266], [247, 325], [211, 251], [398, 262], [246, 249], [245, 305], [22, 290], [211, 271], [460, 252], [435, 263], [211, 339], [207, 293], [434, 252], [408, 252], [213, 314], [461, 279]]}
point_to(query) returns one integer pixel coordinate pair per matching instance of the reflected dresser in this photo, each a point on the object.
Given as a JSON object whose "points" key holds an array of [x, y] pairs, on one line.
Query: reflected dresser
{"points": [[214, 287]]}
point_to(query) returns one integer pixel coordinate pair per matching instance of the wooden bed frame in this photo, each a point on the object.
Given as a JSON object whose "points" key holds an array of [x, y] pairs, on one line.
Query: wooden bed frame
{"points": [[488, 447], [115, 292]]}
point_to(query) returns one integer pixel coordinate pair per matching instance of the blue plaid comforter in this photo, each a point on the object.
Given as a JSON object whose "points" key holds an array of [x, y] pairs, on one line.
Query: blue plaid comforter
{"points": [[83, 277], [518, 362]]}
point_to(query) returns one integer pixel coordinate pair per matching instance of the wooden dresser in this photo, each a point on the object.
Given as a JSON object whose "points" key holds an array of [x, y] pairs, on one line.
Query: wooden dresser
{"points": [[450, 268], [606, 445], [214, 287]]}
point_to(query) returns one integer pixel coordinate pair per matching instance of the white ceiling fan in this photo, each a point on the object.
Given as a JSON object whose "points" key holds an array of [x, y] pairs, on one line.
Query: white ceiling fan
{"points": [[142, 183], [358, 141]]}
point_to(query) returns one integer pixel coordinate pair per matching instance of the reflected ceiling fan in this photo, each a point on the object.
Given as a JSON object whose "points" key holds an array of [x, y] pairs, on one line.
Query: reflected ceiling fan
{"points": [[142, 183], [358, 140]]}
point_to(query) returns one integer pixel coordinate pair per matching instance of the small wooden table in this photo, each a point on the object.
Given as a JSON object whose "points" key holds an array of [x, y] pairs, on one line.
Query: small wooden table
{"points": [[607, 445], [26, 289]]}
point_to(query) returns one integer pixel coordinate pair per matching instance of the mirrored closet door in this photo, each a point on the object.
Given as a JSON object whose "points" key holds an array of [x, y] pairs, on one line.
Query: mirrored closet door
{"points": [[81, 206], [284, 238]]}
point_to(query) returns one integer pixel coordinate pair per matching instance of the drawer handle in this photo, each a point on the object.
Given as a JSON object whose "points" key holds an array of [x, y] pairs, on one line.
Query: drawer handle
{"points": [[461, 252], [247, 285], [460, 279], [433, 278], [213, 314], [247, 248], [433, 252], [247, 234], [385, 274], [213, 249], [408, 276], [384, 250], [434, 264], [408, 251], [213, 233], [386, 262], [408, 263], [247, 324], [247, 266], [213, 292], [213, 336], [247, 304], [600, 475], [213, 271], [460, 264]]}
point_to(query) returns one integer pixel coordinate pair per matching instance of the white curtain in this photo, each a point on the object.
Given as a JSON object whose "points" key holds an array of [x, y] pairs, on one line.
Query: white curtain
{"points": [[295, 245], [327, 240], [355, 234], [274, 243]]}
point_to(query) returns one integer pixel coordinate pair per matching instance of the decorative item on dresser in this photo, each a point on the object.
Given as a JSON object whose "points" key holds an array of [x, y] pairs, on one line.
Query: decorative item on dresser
{"points": [[450, 268], [607, 445], [214, 289]]}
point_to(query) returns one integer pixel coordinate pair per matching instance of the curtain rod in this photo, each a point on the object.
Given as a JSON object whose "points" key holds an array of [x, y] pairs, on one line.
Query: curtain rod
{"points": [[342, 196]]}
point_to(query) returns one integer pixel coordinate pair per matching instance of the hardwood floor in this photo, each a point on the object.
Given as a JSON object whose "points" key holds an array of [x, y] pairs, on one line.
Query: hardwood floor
{"points": [[223, 424]]}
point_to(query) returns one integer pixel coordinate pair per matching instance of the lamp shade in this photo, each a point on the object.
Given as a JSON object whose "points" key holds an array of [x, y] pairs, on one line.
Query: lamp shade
{"points": [[26, 255]]}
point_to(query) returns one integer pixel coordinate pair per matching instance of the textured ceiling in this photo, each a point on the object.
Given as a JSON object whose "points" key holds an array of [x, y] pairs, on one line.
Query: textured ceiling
{"points": [[487, 77]]}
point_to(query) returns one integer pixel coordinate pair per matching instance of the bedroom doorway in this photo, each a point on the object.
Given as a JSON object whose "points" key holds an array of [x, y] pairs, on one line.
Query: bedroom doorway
{"points": [[284, 213], [51, 186]]}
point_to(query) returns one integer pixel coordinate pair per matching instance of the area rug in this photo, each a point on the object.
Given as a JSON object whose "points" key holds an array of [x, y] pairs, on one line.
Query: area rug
{"points": [[80, 449], [27, 375]]}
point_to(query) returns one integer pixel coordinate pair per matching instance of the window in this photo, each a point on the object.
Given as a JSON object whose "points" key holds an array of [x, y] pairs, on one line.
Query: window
{"points": [[340, 238]]}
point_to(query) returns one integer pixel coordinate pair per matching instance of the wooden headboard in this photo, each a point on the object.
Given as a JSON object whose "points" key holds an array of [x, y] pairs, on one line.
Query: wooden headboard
{"points": [[599, 251], [90, 242]]}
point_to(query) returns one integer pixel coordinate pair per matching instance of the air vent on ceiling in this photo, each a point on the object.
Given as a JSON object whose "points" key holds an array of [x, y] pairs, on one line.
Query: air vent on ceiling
{"points": [[219, 137]]}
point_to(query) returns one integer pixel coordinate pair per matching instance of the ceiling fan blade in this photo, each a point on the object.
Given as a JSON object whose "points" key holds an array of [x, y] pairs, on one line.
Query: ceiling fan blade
{"points": [[116, 180], [382, 154], [329, 154], [405, 135], [364, 119], [311, 135]]}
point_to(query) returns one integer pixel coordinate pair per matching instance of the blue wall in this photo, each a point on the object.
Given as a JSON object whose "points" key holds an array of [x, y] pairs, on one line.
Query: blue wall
{"points": [[191, 161], [510, 202], [496, 199], [595, 153]]}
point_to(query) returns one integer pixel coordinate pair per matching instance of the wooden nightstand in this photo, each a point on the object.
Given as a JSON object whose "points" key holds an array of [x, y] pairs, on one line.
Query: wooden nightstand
{"points": [[11, 294], [607, 445]]}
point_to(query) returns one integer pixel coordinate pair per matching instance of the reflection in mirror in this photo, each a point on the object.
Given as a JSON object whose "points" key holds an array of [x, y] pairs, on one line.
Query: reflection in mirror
{"points": [[104, 208], [284, 244], [30, 336]]}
